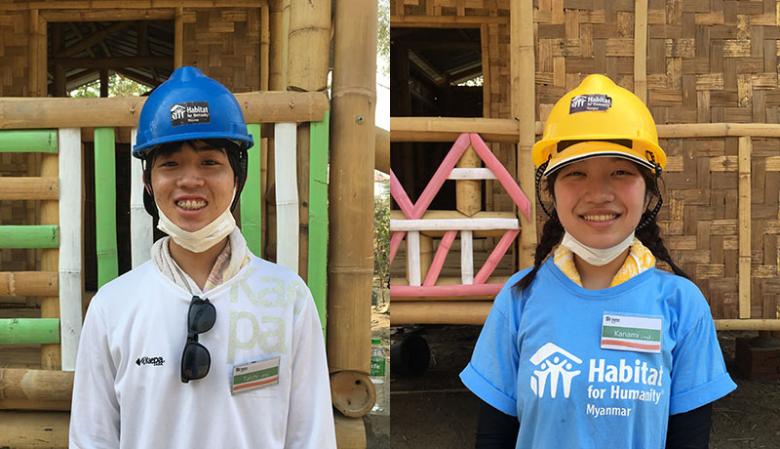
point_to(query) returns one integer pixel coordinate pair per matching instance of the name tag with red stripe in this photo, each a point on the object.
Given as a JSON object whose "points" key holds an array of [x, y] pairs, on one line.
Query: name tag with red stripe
{"points": [[255, 375], [631, 333]]}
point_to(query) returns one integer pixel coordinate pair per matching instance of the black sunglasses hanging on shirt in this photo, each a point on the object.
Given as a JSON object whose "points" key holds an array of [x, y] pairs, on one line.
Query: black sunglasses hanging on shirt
{"points": [[195, 359]]}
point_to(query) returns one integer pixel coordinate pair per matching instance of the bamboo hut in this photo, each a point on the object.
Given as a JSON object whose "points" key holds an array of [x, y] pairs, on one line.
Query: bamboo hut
{"points": [[707, 70], [62, 160]]}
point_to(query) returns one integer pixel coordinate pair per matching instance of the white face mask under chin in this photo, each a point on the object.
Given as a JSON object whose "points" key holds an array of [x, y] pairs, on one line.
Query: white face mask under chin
{"points": [[204, 238], [595, 256]]}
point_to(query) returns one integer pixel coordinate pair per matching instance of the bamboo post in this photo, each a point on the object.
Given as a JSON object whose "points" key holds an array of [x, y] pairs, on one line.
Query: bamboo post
{"points": [[287, 199], [468, 193], [426, 254], [439, 312], [105, 202], [745, 150], [640, 49], [70, 245], [140, 221], [278, 45], [29, 188], [522, 75], [252, 196], [41, 430], [178, 38], [309, 35], [351, 190], [49, 261], [26, 389], [28, 283], [265, 37], [318, 218]]}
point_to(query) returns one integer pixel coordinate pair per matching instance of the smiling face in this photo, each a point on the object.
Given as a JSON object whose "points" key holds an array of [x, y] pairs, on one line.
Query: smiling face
{"points": [[192, 185], [600, 200]]}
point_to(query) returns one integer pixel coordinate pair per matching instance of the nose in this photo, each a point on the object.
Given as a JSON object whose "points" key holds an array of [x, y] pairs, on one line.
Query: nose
{"points": [[190, 176], [599, 190]]}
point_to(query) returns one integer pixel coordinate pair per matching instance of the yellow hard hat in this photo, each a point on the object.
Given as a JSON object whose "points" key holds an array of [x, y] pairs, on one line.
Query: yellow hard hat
{"points": [[598, 118]]}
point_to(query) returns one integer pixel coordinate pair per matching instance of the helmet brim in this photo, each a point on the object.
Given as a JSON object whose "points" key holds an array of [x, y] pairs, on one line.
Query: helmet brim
{"points": [[586, 150]]}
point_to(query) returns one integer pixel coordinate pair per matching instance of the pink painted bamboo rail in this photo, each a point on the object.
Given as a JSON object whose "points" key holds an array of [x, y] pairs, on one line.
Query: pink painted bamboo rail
{"points": [[495, 256], [439, 258], [439, 291]]}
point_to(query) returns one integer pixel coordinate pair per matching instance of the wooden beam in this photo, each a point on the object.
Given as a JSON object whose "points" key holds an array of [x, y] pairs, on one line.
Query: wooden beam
{"points": [[130, 4], [91, 40], [640, 49], [258, 107], [178, 38], [112, 63]]}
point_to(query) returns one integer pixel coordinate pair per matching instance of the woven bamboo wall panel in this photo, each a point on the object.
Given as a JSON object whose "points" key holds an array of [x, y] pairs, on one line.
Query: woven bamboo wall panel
{"points": [[708, 61], [14, 38], [225, 44]]}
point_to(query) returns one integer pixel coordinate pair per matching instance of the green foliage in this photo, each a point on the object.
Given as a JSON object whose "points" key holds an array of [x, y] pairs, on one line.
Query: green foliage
{"points": [[118, 86], [382, 234], [383, 36]]}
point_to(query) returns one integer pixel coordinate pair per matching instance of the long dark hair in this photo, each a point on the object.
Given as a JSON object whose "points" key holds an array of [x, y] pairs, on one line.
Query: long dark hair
{"points": [[647, 231]]}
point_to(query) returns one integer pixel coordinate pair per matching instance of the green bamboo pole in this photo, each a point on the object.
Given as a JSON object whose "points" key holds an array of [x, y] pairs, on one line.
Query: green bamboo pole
{"points": [[29, 331], [252, 197], [318, 216], [105, 205], [28, 141], [29, 236]]}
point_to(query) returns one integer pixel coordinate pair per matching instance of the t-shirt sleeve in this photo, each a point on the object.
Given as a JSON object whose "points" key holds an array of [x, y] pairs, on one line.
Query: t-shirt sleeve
{"points": [[492, 372], [699, 373]]}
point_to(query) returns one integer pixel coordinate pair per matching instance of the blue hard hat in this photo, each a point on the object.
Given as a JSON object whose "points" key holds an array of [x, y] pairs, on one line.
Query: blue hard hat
{"points": [[190, 106]]}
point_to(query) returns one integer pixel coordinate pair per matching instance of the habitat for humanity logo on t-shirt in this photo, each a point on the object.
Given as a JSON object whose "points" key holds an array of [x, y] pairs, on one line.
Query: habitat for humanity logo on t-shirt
{"points": [[624, 384], [554, 364]]}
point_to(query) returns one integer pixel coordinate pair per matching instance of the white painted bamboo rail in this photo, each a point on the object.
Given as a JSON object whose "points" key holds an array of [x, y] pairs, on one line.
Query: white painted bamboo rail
{"points": [[287, 220], [141, 232]]}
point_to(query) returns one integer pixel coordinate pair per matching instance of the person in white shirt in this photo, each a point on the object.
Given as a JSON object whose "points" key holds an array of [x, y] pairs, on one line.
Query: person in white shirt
{"points": [[205, 345]]}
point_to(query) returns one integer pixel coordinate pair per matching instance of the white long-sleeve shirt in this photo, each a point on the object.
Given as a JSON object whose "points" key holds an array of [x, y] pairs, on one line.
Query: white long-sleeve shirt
{"points": [[128, 392]]}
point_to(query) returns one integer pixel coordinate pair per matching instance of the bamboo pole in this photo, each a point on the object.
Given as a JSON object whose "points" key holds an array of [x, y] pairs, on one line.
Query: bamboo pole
{"points": [[252, 196], [382, 151], [258, 107], [744, 189], [426, 255], [70, 262], [522, 76], [640, 49], [38, 430], [90, 13], [178, 38], [28, 389], [140, 221], [279, 24], [318, 218], [28, 141], [29, 283], [694, 130], [351, 190], [29, 188], [51, 356], [350, 433], [287, 200], [265, 42], [445, 21], [441, 129], [29, 236], [29, 331], [352, 393], [468, 193], [439, 312], [105, 202], [748, 325]]}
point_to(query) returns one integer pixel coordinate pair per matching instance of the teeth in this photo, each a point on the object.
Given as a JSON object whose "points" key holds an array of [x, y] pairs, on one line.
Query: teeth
{"points": [[603, 217], [191, 204]]}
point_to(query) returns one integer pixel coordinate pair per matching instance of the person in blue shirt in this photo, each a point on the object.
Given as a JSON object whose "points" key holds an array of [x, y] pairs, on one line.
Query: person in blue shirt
{"points": [[593, 346]]}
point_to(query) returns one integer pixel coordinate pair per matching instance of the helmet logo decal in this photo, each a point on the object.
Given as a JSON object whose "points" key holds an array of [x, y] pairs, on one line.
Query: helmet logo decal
{"points": [[190, 113], [591, 102]]}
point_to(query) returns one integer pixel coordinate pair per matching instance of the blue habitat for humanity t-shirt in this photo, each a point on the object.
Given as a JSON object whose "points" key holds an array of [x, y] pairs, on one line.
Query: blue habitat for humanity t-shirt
{"points": [[597, 368]]}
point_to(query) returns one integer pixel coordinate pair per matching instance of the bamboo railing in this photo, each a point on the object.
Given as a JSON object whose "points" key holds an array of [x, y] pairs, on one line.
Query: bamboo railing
{"points": [[453, 310]]}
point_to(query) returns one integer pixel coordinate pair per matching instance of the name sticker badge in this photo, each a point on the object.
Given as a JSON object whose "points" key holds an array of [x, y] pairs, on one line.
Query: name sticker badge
{"points": [[631, 333], [255, 375]]}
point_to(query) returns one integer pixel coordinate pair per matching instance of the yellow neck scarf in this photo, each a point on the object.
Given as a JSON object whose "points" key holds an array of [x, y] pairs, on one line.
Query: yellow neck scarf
{"points": [[639, 259]]}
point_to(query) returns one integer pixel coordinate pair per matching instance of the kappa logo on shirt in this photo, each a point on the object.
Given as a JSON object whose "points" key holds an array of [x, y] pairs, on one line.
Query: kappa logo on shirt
{"points": [[555, 365], [155, 361]]}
